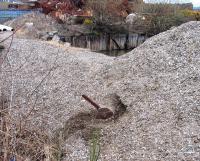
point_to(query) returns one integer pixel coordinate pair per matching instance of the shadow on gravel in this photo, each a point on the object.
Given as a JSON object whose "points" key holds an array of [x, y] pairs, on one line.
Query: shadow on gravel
{"points": [[87, 122]]}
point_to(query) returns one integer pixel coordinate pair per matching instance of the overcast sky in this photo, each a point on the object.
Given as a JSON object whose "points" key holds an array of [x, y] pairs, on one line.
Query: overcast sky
{"points": [[196, 3]]}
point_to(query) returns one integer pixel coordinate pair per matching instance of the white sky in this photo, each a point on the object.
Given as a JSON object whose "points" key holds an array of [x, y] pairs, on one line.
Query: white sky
{"points": [[196, 3]]}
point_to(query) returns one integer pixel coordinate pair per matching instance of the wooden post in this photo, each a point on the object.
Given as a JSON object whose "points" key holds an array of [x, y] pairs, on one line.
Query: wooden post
{"points": [[108, 42]]}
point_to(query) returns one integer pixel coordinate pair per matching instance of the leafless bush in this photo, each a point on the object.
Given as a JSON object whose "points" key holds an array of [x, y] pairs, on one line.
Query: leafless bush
{"points": [[21, 140], [159, 8], [163, 15], [106, 11]]}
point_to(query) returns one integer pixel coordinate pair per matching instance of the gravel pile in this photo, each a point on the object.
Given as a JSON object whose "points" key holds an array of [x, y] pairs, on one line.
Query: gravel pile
{"points": [[34, 25], [53, 75], [158, 82], [37, 25]]}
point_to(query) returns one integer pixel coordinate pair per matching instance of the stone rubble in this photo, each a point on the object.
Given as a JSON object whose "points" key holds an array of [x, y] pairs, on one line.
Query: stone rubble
{"points": [[158, 82]]}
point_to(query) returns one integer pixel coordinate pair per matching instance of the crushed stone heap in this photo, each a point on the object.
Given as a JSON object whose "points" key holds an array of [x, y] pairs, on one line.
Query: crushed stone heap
{"points": [[158, 82], [34, 25]]}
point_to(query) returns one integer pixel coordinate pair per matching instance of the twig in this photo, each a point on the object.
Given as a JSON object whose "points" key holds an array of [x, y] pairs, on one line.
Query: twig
{"points": [[39, 84], [5, 57], [48, 73]]}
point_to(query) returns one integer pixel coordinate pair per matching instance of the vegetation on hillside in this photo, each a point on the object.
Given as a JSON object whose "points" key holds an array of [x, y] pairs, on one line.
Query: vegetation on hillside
{"points": [[165, 15], [111, 14], [159, 17]]}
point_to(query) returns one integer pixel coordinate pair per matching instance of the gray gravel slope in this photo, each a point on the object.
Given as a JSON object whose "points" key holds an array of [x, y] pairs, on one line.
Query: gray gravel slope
{"points": [[159, 82]]}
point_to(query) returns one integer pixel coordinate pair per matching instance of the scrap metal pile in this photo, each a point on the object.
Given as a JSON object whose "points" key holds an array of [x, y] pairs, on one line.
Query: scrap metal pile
{"points": [[62, 8]]}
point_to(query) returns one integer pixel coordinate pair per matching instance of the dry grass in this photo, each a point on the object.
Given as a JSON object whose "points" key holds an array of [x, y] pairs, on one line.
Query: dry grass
{"points": [[95, 145], [18, 140]]}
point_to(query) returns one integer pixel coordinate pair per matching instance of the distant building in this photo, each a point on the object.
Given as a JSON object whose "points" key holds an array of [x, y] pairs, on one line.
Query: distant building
{"points": [[9, 1], [26, 2], [10, 9], [22, 4], [4, 3]]}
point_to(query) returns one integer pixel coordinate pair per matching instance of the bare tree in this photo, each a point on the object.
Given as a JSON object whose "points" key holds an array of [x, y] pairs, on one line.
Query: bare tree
{"points": [[106, 11]]}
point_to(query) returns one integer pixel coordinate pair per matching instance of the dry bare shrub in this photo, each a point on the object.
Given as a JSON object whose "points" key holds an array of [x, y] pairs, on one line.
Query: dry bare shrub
{"points": [[107, 11], [164, 15], [20, 139]]}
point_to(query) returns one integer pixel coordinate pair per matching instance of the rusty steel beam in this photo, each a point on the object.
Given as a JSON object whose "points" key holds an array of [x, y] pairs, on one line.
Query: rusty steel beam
{"points": [[91, 102]]}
